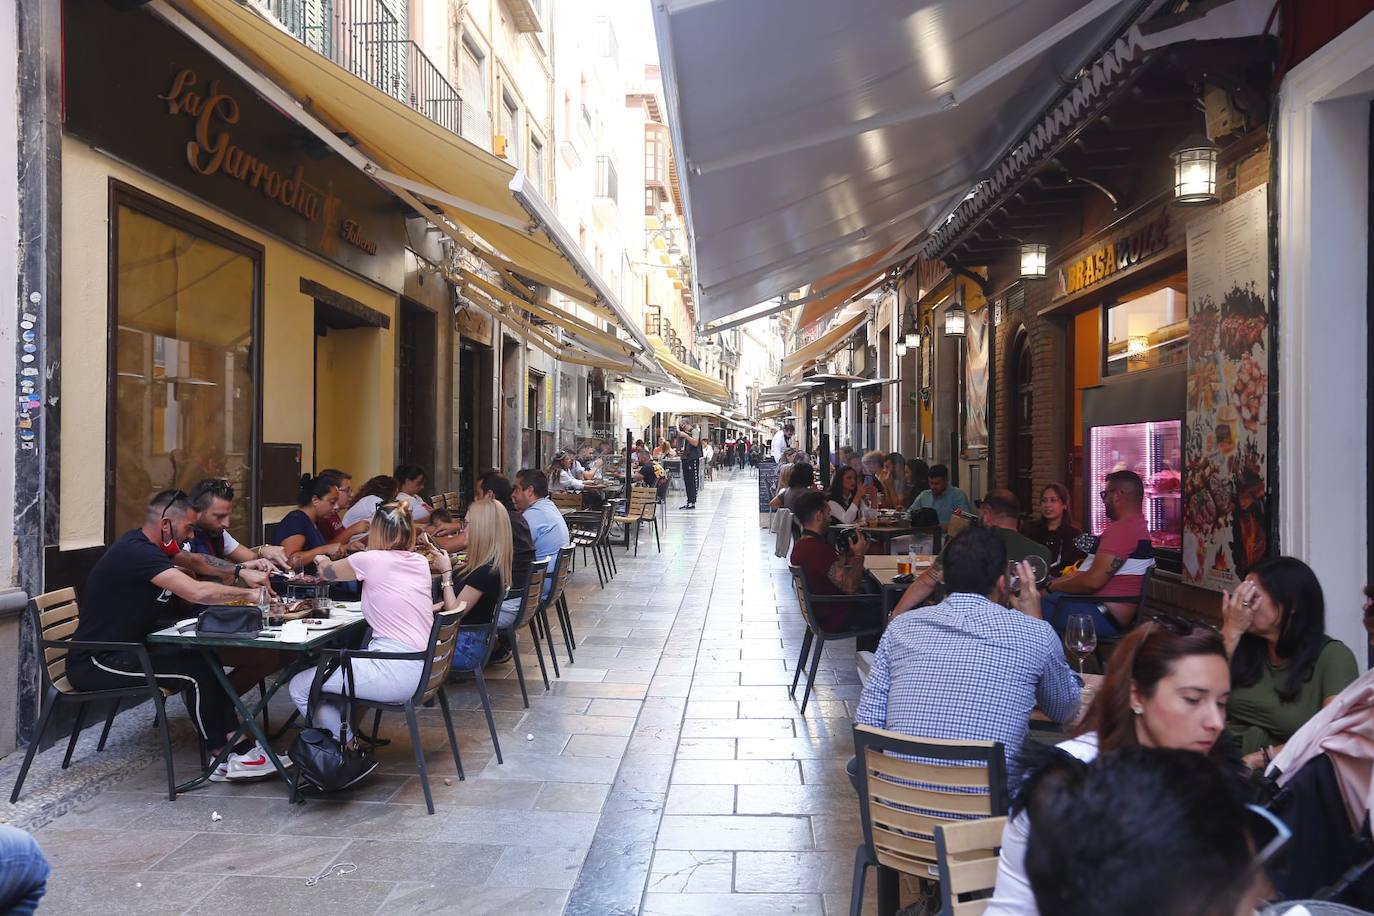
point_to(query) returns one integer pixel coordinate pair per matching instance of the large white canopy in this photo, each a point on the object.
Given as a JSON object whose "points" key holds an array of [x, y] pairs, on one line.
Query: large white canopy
{"points": [[814, 133], [668, 402]]}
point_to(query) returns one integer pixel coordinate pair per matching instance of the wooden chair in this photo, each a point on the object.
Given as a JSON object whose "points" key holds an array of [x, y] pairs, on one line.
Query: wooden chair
{"points": [[530, 594], [452, 501], [641, 508], [438, 501], [815, 633], [902, 801], [443, 637], [567, 501], [53, 617], [967, 855]]}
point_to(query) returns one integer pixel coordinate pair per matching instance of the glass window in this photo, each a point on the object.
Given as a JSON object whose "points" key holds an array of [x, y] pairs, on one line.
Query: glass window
{"points": [[510, 129], [185, 393], [537, 164], [474, 76], [1147, 332]]}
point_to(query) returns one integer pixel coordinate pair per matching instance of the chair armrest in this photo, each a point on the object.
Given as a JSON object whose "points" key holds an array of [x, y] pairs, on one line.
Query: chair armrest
{"points": [[388, 656]]}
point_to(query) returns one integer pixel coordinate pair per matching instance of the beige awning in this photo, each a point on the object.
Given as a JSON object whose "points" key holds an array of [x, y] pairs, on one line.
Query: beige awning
{"points": [[697, 383], [821, 346], [501, 219]]}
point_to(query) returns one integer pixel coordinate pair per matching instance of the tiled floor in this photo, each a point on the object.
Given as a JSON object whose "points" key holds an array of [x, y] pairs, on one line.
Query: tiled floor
{"points": [[666, 772]]}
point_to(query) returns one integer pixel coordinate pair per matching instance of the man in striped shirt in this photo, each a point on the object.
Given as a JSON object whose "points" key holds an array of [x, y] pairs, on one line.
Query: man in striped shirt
{"points": [[1108, 582]]}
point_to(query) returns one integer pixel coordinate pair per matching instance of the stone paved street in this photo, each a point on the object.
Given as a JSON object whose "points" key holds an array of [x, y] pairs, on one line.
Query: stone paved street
{"points": [[667, 772]]}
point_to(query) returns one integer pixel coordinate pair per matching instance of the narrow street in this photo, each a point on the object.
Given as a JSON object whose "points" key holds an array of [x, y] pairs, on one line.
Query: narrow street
{"points": [[666, 772]]}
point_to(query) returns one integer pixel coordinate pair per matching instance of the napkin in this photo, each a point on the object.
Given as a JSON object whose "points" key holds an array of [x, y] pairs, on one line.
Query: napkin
{"points": [[294, 631]]}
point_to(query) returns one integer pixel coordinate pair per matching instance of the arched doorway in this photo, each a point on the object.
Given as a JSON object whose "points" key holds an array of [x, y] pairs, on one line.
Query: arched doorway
{"points": [[1022, 417]]}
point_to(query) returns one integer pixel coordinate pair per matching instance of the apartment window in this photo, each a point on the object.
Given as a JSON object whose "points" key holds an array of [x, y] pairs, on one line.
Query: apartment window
{"points": [[183, 325], [655, 157], [536, 165], [510, 129], [474, 75]]}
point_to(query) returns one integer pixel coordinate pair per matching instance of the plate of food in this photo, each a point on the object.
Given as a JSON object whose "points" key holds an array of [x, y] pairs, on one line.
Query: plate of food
{"points": [[317, 623]]}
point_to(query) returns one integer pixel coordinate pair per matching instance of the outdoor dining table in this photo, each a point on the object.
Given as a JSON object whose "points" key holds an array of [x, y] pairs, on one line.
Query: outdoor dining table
{"points": [[883, 569], [306, 654]]}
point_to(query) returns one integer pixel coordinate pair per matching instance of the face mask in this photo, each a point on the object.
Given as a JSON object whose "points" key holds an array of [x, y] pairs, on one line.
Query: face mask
{"points": [[169, 544]]}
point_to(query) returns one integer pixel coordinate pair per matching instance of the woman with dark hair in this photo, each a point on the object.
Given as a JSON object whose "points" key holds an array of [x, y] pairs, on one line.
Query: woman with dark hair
{"points": [[843, 498], [892, 480], [917, 479], [1166, 686], [411, 480], [1284, 666], [1055, 528], [298, 532], [801, 478]]}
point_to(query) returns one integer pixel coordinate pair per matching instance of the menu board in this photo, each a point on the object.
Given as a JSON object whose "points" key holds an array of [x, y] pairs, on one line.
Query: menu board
{"points": [[1225, 485]]}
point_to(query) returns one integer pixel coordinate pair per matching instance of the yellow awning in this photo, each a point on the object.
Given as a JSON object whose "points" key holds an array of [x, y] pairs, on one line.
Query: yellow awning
{"points": [[696, 382], [399, 139], [822, 345]]}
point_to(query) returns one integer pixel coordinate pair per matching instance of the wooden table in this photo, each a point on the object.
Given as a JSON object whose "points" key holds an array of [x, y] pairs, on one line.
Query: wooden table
{"points": [[306, 652]]}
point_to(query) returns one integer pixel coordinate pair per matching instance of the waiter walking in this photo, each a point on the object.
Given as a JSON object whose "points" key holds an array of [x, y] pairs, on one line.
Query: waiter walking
{"points": [[780, 442]]}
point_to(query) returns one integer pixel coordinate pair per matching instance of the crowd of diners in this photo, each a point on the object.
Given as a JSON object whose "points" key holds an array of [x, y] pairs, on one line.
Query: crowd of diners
{"points": [[385, 537], [1178, 730]]}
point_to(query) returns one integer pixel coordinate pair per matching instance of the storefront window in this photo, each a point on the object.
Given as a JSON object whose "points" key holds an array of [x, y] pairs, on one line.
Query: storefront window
{"points": [[1147, 332], [184, 383]]}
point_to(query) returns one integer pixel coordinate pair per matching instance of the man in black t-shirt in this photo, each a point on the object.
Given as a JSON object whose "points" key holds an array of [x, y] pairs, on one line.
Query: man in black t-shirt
{"points": [[691, 462], [122, 601]]}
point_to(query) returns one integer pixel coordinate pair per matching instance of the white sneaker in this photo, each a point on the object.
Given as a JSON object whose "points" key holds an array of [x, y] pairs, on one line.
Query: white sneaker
{"points": [[254, 764], [221, 773]]}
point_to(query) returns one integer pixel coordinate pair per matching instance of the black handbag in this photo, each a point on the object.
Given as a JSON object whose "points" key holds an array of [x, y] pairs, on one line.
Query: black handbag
{"points": [[326, 762], [229, 620]]}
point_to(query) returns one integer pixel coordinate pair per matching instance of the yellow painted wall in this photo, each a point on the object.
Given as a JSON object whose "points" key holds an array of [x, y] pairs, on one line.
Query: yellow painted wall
{"points": [[1087, 363], [344, 357], [288, 331]]}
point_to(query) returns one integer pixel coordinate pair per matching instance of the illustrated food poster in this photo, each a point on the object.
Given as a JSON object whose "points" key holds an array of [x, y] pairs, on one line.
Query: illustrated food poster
{"points": [[1225, 509]]}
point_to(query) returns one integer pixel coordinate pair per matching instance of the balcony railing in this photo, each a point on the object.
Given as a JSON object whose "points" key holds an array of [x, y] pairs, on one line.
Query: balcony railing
{"points": [[369, 40]]}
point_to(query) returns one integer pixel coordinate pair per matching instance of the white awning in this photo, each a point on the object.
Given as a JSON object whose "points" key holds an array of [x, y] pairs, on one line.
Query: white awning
{"points": [[814, 133]]}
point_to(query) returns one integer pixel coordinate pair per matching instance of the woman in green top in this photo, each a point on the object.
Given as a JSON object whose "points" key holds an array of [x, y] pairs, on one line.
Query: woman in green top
{"points": [[1284, 668]]}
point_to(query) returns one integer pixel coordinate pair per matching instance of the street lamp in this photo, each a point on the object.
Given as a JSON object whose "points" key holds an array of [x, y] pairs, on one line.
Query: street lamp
{"points": [[1033, 260], [1195, 171], [912, 339], [901, 348], [954, 320]]}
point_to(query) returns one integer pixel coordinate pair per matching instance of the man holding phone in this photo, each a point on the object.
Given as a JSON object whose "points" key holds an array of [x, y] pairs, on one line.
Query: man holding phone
{"points": [[834, 570]]}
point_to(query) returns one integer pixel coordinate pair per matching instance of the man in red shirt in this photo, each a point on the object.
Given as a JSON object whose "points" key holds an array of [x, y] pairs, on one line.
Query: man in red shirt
{"points": [[830, 571], [1108, 582]]}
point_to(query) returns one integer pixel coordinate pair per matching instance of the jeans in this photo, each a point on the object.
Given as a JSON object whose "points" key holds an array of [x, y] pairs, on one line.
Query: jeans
{"points": [[467, 652], [23, 872], [1057, 606], [387, 680]]}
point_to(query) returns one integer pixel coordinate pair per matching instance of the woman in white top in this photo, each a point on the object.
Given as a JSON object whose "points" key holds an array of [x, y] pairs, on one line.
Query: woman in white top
{"points": [[846, 508], [1165, 687], [561, 475], [411, 480], [378, 490]]}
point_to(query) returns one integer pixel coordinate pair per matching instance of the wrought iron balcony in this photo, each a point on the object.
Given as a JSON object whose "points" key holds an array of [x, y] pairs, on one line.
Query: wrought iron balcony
{"points": [[368, 39]]}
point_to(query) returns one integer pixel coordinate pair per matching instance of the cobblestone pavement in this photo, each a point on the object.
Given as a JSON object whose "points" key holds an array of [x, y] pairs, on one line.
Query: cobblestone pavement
{"points": [[666, 772]]}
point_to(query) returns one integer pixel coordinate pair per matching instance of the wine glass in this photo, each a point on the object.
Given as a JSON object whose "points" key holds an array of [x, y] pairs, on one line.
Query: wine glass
{"points": [[1080, 637]]}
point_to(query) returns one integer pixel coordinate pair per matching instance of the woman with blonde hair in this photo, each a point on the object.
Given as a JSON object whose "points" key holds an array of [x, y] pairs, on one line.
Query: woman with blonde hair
{"points": [[397, 606], [485, 576]]}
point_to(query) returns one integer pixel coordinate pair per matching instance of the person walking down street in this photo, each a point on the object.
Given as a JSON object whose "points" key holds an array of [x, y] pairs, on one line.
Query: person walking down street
{"points": [[691, 463]]}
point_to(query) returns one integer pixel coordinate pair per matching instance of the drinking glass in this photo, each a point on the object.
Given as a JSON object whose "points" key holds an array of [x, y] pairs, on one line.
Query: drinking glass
{"points": [[1013, 577], [1080, 637]]}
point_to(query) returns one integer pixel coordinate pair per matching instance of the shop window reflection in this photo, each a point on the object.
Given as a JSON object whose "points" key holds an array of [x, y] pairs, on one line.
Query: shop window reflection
{"points": [[1147, 332], [184, 387]]}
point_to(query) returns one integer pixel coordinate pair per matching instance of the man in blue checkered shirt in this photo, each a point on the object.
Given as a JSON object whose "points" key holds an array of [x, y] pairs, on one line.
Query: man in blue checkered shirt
{"points": [[969, 668]]}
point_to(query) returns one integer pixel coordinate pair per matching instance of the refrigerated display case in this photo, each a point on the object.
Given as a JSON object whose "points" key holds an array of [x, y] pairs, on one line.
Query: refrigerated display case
{"points": [[1154, 450]]}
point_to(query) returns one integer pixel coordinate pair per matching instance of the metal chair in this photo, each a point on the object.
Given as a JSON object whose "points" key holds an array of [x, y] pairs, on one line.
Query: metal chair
{"points": [[443, 637], [530, 594], [488, 633], [966, 852], [583, 530], [902, 801], [815, 633], [562, 572], [53, 617], [603, 541]]}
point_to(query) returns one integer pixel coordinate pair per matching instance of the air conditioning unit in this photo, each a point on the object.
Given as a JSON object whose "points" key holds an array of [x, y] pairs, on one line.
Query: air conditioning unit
{"points": [[498, 145]]}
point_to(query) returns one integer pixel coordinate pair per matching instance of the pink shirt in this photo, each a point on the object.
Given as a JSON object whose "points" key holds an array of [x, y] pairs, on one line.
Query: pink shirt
{"points": [[396, 596], [1129, 541]]}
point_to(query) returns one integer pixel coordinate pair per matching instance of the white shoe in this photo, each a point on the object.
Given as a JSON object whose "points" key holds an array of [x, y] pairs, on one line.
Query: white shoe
{"points": [[254, 764]]}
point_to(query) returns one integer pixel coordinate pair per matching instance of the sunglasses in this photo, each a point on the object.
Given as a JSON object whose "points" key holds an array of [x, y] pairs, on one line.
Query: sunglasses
{"points": [[176, 497]]}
